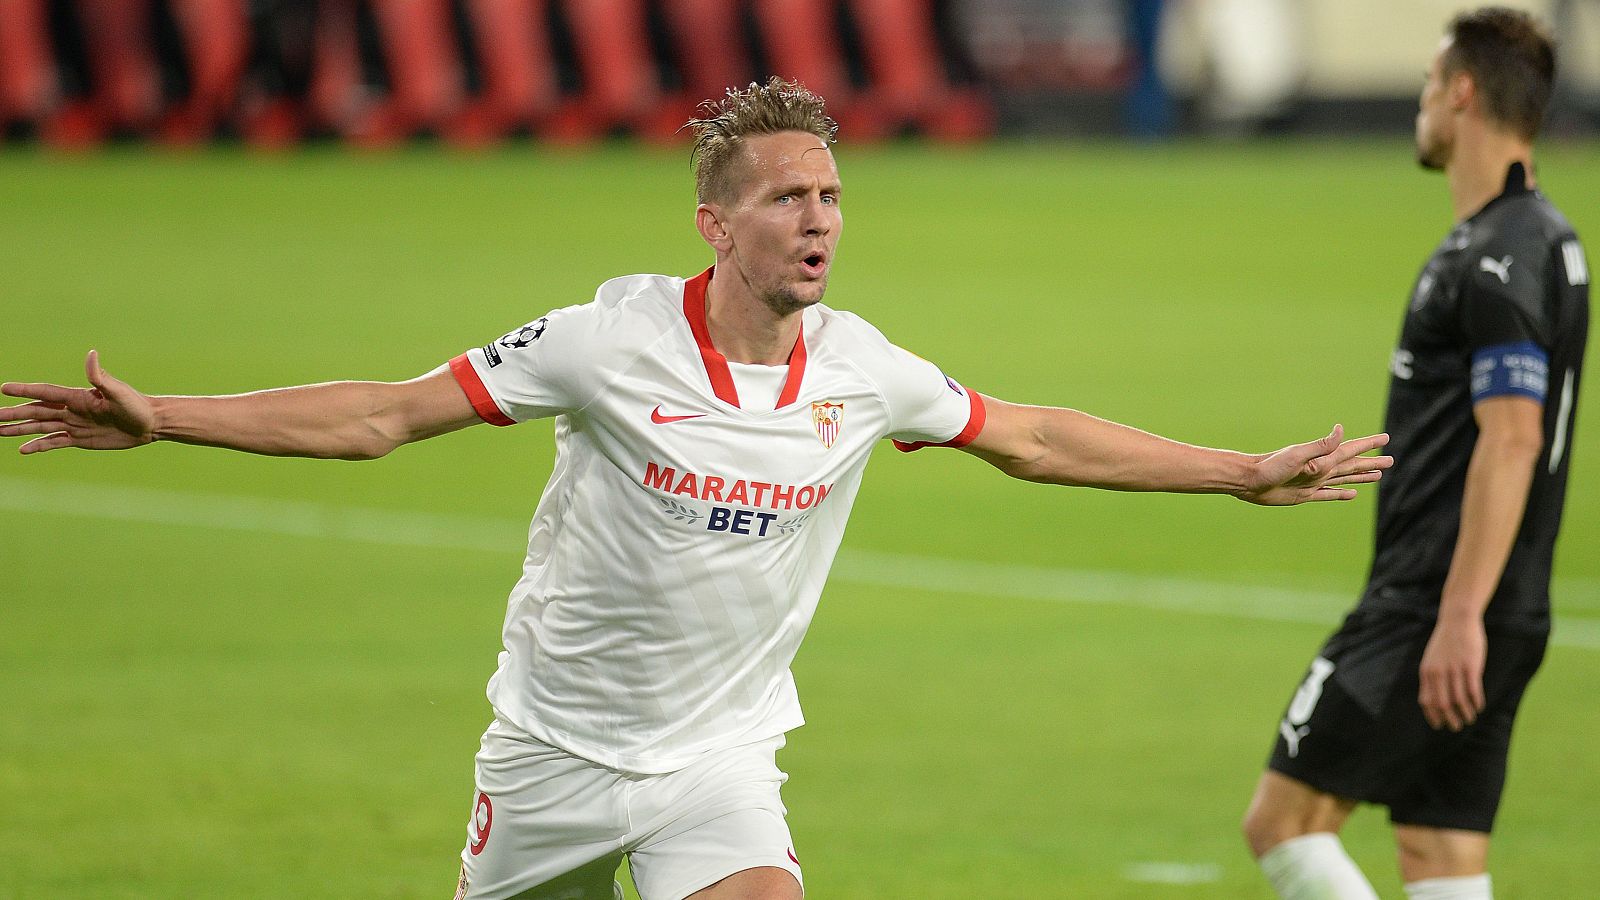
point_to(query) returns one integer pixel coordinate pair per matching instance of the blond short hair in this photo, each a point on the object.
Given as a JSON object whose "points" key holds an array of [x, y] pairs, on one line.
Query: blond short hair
{"points": [[720, 131]]}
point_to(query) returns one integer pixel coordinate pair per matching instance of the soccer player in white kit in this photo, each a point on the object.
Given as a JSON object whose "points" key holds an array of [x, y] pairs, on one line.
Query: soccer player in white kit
{"points": [[711, 436]]}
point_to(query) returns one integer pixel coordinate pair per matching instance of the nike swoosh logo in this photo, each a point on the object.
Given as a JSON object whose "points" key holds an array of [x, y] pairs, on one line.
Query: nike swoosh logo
{"points": [[657, 417]]}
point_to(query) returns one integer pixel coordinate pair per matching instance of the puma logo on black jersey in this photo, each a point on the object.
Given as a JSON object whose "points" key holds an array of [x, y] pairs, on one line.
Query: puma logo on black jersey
{"points": [[1502, 268]]}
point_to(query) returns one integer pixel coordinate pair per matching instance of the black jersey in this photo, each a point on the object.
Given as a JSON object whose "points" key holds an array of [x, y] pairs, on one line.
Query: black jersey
{"points": [[1502, 307]]}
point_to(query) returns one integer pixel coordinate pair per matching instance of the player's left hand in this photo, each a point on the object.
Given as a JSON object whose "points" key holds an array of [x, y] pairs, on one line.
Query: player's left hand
{"points": [[1318, 470], [1451, 674]]}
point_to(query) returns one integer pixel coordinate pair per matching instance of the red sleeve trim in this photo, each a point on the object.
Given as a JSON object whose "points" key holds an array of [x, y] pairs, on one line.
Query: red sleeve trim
{"points": [[467, 377], [975, 420]]}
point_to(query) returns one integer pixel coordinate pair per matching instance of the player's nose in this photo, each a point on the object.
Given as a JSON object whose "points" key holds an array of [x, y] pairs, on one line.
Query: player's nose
{"points": [[818, 219]]}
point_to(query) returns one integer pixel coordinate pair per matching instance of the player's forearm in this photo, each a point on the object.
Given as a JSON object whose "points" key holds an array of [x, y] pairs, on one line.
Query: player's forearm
{"points": [[1492, 503], [338, 420], [1073, 448]]}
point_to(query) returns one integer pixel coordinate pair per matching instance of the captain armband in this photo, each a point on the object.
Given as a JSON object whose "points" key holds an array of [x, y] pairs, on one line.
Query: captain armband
{"points": [[1520, 369]]}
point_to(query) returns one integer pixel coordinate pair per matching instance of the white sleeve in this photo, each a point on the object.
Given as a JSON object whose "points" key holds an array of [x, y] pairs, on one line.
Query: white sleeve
{"points": [[925, 408], [544, 368]]}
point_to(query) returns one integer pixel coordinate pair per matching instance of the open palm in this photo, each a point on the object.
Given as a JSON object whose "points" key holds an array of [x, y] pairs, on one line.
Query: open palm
{"points": [[108, 416], [1319, 470]]}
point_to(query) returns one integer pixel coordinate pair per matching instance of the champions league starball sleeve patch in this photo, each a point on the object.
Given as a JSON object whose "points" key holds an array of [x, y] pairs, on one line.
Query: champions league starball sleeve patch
{"points": [[1522, 368]]}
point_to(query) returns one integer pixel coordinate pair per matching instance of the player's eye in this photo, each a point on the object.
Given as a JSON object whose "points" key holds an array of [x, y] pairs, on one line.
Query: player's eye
{"points": [[830, 199], [785, 200]]}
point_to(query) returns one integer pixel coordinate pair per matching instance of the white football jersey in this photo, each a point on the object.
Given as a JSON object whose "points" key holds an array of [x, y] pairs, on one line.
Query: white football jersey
{"points": [[676, 557]]}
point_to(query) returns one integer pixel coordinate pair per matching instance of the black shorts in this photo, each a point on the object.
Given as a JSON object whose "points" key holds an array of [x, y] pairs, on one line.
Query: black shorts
{"points": [[1354, 728]]}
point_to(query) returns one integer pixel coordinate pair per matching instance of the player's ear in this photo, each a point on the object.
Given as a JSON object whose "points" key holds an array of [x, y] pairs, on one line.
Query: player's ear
{"points": [[1463, 90], [708, 220]]}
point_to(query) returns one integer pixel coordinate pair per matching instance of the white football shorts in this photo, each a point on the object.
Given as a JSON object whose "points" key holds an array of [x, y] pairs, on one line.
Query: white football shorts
{"points": [[547, 819]]}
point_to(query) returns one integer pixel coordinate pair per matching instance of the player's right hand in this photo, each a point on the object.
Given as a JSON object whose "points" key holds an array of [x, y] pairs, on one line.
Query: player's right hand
{"points": [[108, 416], [1450, 676]]}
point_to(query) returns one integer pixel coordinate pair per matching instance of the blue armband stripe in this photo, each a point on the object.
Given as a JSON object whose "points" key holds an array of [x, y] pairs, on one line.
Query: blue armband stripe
{"points": [[1522, 369]]}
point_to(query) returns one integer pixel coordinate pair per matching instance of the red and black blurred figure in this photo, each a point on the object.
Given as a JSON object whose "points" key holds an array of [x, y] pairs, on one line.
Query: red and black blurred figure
{"points": [[215, 40], [618, 84], [802, 39], [908, 67], [377, 72], [691, 27], [518, 76], [417, 57], [274, 107], [906, 80], [29, 89], [614, 81], [619, 76], [78, 70], [121, 88], [518, 87], [84, 70]]}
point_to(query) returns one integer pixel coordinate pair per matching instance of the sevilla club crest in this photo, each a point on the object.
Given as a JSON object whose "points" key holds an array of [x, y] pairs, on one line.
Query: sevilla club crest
{"points": [[828, 419]]}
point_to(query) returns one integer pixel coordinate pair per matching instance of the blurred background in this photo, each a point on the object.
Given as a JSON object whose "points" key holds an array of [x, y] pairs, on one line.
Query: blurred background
{"points": [[76, 73]]}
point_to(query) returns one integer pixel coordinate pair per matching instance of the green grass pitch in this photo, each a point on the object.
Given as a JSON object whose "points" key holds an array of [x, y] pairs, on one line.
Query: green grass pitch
{"points": [[213, 684]]}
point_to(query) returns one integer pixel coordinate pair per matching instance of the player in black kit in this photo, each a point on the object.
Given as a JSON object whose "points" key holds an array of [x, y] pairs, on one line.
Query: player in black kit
{"points": [[1410, 704]]}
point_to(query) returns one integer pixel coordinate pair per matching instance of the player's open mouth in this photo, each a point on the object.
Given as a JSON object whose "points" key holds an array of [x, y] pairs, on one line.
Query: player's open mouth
{"points": [[815, 264]]}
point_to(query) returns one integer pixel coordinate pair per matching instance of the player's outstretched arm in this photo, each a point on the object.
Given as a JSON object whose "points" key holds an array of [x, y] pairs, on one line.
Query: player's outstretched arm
{"points": [[1064, 446], [339, 420]]}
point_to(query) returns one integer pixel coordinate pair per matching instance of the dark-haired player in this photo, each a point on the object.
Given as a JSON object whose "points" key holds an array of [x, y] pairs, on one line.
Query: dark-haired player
{"points": [[1410, 703]]}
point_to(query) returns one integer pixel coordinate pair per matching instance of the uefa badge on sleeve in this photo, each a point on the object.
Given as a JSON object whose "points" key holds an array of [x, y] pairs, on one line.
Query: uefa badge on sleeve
{"points": [[828, 419]]}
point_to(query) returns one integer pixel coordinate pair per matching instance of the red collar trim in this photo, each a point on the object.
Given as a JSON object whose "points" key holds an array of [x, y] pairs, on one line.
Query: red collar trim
{"points": [[797, 370], [694, 309]]}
